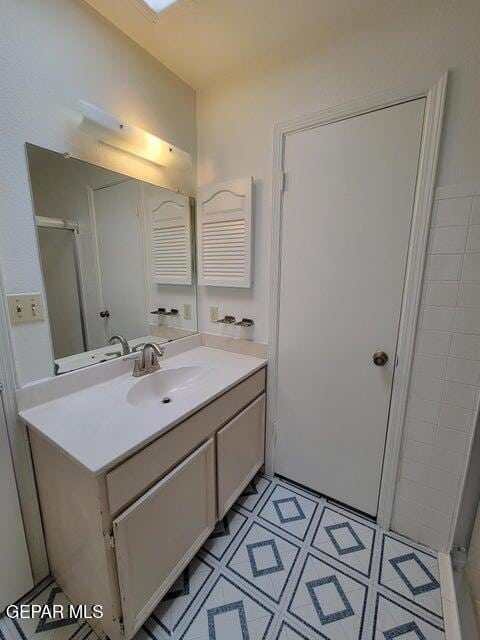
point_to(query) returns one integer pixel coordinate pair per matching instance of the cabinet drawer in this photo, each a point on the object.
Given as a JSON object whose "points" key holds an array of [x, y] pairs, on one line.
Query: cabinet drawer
{"points": [[133, 477], [159, 534], [240, 453]]}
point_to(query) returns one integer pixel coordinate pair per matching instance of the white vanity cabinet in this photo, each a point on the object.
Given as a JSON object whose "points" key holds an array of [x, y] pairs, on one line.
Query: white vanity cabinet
{"points": [[121, 538], [158, 535], [240, 453]]}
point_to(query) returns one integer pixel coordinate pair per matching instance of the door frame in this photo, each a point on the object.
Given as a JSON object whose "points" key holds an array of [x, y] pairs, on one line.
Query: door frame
{"points": [[20, 452], [434, 90]]}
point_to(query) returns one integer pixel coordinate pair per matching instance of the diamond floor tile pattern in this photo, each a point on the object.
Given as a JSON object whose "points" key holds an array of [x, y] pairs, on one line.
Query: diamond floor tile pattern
{"points": [[283, 564]]}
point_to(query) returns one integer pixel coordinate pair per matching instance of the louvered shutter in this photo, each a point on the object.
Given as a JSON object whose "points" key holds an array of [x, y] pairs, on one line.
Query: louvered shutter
{"points": [[224, 234], [169, 235]]}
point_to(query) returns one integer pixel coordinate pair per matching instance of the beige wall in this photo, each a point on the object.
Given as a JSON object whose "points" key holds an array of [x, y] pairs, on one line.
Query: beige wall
{"points": [[235, 118], [235, 121], [52, 54]]}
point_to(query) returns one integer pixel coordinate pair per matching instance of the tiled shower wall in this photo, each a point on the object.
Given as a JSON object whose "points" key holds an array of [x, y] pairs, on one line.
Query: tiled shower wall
{"points": [[446, 375]]}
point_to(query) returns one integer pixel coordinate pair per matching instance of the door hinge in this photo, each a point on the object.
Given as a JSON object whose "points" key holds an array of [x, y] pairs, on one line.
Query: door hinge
{"points": [[122, 626], [110, 540], [274, 432], [284, 181]]}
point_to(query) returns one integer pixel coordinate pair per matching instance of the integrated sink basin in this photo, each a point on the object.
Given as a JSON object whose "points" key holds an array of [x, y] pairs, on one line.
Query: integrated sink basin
{"points": [[162, 386]]}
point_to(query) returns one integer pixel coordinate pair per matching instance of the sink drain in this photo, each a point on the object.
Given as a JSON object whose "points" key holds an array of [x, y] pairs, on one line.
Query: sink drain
{"points": [[166, 400]]}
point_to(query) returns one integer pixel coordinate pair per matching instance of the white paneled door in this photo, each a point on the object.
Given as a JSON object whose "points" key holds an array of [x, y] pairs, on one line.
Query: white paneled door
{"points": [[120, 257], [347, 212]]}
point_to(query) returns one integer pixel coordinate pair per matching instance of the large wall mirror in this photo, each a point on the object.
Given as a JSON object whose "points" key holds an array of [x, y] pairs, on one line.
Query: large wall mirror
{"points": [[117, 258]]}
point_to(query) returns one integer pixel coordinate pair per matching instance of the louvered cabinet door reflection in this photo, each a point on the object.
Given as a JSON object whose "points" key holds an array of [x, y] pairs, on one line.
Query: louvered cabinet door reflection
{"points": [[169, 234], [224, 234]]}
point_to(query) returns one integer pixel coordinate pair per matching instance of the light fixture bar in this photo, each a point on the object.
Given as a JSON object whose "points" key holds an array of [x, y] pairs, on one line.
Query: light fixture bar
{"points": [[159, 5], [107, 128]]}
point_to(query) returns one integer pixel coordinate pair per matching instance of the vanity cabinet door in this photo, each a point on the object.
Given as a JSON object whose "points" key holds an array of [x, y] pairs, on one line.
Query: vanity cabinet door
{"points": [[159, 534], [240, 453]]}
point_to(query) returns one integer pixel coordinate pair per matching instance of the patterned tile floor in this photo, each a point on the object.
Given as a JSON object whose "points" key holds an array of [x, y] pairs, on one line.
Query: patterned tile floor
{"points": [[284, 564]]}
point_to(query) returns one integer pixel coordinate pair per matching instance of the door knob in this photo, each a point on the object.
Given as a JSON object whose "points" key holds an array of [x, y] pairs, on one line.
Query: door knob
{"points": [[380, 358], [105, 314]]}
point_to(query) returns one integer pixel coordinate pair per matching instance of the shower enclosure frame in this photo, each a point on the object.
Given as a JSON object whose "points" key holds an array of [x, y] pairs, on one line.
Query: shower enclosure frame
{"points": [[70, 225]]}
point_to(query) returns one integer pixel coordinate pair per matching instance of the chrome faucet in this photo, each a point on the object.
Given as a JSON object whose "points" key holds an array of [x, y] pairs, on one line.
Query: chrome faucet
{"points": [[123, 341], [148, 361]]}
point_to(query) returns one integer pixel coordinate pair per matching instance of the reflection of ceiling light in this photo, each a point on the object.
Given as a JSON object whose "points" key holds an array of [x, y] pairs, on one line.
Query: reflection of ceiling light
{"points": [[105, 127], [159, 5]]}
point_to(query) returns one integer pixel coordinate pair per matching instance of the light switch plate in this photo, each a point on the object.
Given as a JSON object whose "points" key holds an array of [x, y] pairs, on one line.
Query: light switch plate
{"points": [[25, 307], [187, 311], [213, 314]]}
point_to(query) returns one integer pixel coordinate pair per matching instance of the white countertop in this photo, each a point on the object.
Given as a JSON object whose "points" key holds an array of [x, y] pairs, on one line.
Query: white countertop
{"points": [[97, 427]]}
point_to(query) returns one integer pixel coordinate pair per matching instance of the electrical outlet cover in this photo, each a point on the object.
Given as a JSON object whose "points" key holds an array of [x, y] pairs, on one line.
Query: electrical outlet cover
{"points": [[213, 314]]}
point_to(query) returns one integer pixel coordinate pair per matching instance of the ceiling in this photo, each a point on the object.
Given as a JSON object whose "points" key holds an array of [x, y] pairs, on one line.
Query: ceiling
{"points": [[205, 41]]}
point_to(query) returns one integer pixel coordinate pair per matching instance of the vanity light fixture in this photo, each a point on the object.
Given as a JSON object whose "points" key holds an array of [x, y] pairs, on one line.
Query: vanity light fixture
{"points": [[159, 5], [107, 128]]}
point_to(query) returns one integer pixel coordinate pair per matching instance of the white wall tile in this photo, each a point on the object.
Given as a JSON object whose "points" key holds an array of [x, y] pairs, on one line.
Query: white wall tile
{"points": [[449, 240], [442, 294], [407, 518], [433, 538], [448, 460], [465, 346], [453, 211], [437, 520], [439, 500], [421, 431], [413, 491], [466, 321], [471, 267], [443, 481], [473, 239], [428, 388], [468, 294], [447, 358], [418, 452], [422, 409], [460, 395], [461, 370], [452, 439], [415, 471], [455, 417], [475, 217], [444, 266], [438, 318], [435, 342], [430, 365]]}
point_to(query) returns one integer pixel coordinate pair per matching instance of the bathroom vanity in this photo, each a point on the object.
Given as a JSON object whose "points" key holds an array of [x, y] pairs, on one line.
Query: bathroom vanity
{"points": [[133, 474]]}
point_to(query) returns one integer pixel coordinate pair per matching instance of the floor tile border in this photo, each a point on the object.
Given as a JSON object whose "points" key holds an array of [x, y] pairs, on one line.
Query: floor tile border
{"points": [[248, 595], [270, 481], [220, 559], [191, 604], [372, 550], [384, 586], [251, 584], [336, 570], [401, 606], [317, 504]]}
